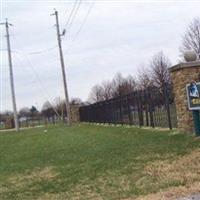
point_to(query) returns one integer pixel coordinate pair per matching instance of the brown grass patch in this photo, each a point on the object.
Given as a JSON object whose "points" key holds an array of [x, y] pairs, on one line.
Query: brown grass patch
{"points": [[185, 172], [173, 193], [186, 169], [47, 174], [168, 178], [180, 177], [101, 188], [21, 181]]}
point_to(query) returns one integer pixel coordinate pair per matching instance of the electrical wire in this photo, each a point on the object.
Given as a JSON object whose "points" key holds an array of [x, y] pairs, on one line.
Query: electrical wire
{"points": [[44, 89], [43, 51], [74, 16], [41, 84], [60, 116], [42, 92], [71, 14], [39, 80], [84, 21], [81, 26], [75, 11]]}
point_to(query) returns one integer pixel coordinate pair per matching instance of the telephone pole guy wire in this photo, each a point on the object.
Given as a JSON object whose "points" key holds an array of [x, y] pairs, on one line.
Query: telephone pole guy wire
{"points": [[11, 75], [63, 68]]}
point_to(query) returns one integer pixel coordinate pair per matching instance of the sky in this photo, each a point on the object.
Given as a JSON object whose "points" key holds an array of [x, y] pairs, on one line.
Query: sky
{"points": [[105, 37]]}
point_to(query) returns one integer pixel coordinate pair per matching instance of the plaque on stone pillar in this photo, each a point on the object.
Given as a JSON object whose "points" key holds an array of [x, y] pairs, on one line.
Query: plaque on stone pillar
{"points": [[193, 95]]}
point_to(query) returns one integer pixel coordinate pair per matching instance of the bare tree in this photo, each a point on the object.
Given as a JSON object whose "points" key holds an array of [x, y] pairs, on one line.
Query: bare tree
{"points": [[191, 39], [34, 114], [117, 85], [5, 115], [96, 94], [48, 111], [25, 113], [110, 89], [76, 101], [107, 90], [130, 83], [122, 86], [33, 111], [159, 70], [144, 77], [60, 108]]}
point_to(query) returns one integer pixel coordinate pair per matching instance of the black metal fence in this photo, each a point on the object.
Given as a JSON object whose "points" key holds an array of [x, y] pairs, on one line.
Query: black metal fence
{"points": [[150, 107]]}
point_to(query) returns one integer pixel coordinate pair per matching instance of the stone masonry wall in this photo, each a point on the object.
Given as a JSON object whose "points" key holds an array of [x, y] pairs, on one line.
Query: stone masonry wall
{"points": [[75, 113], [183, 74]]}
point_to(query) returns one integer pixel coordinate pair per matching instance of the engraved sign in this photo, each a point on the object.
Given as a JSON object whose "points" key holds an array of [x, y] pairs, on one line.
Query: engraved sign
{"points": [[193, 95]]}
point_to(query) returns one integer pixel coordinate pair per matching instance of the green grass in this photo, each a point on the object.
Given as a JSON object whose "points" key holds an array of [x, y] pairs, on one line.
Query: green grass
{"points": [[87, 161]]}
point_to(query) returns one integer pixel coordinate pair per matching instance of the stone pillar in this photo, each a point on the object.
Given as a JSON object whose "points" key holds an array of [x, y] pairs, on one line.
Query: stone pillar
{"points": [[75, 113], [9, 123], [183, 74]]}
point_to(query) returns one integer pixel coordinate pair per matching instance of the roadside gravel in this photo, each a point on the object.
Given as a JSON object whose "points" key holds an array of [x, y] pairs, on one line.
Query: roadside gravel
{"points": [[191, 197]]}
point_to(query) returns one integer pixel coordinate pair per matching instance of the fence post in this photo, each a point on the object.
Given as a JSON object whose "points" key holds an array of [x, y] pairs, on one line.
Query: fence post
{"points": [[141, 117], [149, 90], [129, 110], [166, 98], [115, 111], [146, 107], [138, 107], [120, 110]]}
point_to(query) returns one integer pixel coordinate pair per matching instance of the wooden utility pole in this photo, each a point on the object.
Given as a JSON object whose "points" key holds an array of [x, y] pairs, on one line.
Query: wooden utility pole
{"points": [[63, 68], [11, 75]]}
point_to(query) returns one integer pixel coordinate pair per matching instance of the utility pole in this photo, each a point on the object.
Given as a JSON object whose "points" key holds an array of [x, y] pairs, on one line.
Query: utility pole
{"points": [[11, 75], [63, 68]]}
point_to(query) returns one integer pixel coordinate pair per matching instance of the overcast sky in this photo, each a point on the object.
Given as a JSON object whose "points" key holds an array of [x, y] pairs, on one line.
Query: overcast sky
{"points": [[116, 37]]}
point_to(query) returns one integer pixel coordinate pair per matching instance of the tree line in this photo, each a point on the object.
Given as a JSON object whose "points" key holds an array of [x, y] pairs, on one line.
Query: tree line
{"points": [[50, 112], [154, 74]]}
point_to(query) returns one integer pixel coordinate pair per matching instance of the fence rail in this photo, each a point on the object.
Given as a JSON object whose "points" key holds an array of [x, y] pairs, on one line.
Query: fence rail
{"points": [[150, 107], [30, 122]]}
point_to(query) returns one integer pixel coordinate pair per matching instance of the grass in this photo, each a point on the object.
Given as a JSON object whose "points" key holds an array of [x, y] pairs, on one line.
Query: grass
{"points": [[97, 162]]}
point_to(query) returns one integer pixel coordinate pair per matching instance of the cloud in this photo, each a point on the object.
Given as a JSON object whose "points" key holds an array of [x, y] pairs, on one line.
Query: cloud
{"points": [[117, 36]]}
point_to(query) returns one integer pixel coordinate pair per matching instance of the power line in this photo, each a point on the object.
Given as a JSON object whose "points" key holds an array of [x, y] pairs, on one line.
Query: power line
{"points": [[46, 99], [43, 51], [34, 52], [84, 21], [42, 86], [74, 16], [71, 13], [49, 60], [75, 11], [39, 51], [44, 89], [82, 24]]}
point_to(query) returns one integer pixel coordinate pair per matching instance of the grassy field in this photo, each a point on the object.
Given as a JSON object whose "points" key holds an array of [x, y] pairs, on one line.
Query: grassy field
{"points": [[96, 162]]}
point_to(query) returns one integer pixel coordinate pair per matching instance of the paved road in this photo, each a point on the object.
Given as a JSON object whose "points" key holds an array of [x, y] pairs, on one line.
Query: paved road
{"points": [[8, 130], [192, 197]]}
